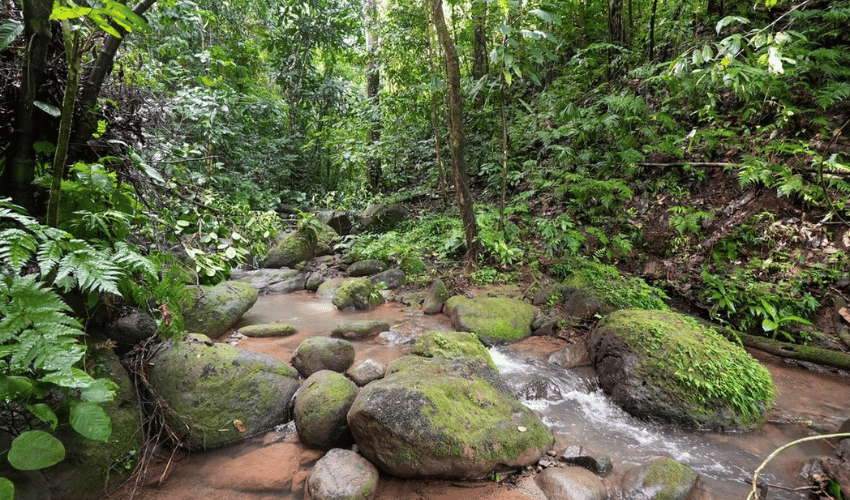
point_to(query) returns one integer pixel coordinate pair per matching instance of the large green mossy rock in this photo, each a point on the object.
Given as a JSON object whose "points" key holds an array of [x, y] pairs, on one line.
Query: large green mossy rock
{"points": [[219, 394], [357, 293], [321, 407], [295, 247], [495, 320], [448, 418], [451, 345], [668, 367], [213, 310], [89, 464]]}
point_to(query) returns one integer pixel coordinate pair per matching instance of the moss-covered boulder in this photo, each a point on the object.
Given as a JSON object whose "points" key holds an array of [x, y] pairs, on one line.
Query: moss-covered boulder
{"points": [[495, 320], [391, 278], [321, 406], [451, 345], [357, 293], [89, 464], [366, 268], [592, 289], [661, 479], [267, 280], [292, 248], [664, 366], [322, 353], [213, 310], [268, 330], [219, 394], [448, 418], [436, 298], [358, 330]]}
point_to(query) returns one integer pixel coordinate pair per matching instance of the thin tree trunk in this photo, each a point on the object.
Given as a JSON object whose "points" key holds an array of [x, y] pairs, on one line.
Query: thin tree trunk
{"points": [[20, 165], [480, 58], [373, 82], [435, 122], [456, 134], [72, 54], [93, 83], [652, 30]]}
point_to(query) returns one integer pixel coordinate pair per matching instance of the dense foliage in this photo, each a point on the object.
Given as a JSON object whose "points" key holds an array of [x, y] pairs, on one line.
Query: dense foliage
{"points": [[604, 132]]}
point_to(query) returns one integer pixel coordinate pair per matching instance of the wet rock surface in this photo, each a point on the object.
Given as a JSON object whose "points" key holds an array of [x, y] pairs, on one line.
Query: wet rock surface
{"points": [[343, 475], [322, 353]]}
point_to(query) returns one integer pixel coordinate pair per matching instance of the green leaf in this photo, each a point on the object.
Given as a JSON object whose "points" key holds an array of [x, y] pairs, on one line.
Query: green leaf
{"points": [[45, 414], [48, 108], [14, 387], [101, 391], [35, 450], [7, 488], [91, 420], [63, 11], [9, 30]]}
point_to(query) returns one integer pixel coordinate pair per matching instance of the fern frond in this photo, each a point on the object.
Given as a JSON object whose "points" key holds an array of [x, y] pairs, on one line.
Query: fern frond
{"points": [[16, 248], [128, 257], [49, 254], [89, 270], [832, 93]]}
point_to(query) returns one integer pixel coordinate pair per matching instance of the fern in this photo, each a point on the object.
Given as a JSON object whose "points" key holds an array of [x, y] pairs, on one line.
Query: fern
{"points": [[832, 93]]}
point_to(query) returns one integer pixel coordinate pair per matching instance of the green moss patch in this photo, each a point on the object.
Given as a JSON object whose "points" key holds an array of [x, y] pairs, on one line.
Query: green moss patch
{"points": [[495, 320], [451, 345]]}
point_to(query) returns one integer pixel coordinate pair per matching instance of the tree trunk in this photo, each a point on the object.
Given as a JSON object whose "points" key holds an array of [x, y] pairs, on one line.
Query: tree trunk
{"points": [[456, 135], [652, 30], [435, 123], [72, 54], [373, 82], [617, 34], [20, 165], [480, 57], [93, 83]]}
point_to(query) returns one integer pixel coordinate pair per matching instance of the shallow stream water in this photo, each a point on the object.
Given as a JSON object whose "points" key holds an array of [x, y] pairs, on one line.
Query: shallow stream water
{"points": [[569, 401]]}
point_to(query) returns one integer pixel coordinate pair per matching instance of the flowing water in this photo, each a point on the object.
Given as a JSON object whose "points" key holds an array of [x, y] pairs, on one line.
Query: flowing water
{"points": [[568, 401]]}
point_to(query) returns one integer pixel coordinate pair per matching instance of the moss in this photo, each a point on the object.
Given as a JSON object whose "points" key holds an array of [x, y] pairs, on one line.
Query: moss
{"points": [[211, 387], [495, 320], [215, 309], [268, 330], [694, 363], [453, 409], [612, 289], [671, 477], [358, 293], [451, 345]]}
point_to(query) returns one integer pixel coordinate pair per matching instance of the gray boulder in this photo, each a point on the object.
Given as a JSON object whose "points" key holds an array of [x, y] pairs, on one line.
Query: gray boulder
{"points": [[219, 394], [661, 479], [359, 330], [570, 483], [391, 278], [130, 329], [213, 310], [366, 268], [357, 293], [667, 367], [289, 285], [314, 281], [262, 279], [321, 406], [366, 371], [337, 220], [380, 218], [495, 320], [322, 353], [329, 287], [342, 475], [436, 298], [447, 418]]}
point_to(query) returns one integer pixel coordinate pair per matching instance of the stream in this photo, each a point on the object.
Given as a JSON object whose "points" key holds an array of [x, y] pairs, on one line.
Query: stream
{"points": [[568, 401]]}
